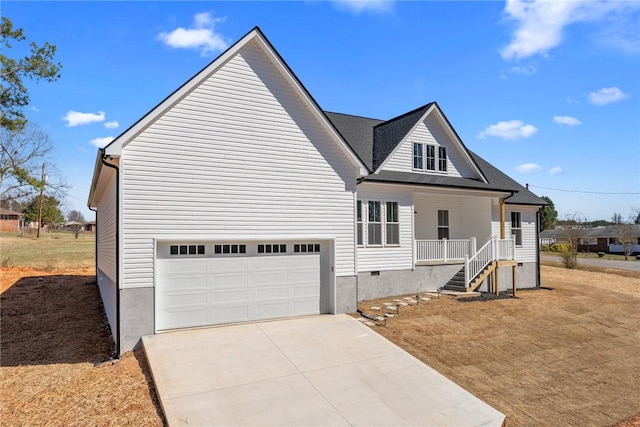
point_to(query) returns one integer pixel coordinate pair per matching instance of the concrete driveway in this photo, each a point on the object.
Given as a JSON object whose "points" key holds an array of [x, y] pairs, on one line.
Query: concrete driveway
{"points": [[318, 370]]}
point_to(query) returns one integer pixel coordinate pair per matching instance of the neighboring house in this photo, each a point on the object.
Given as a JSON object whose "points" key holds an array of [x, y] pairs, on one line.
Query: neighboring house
{"points": [[596, 239], [237, 198], [10, 220], [90, 226]]}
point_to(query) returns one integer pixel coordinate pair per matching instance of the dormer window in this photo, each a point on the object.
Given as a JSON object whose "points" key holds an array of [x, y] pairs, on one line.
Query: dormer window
{"points": [[417, 156], [442, 159], [431, 157]]}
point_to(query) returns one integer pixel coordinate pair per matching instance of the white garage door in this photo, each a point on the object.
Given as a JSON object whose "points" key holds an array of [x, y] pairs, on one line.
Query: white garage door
{"points": [[240, 287]]}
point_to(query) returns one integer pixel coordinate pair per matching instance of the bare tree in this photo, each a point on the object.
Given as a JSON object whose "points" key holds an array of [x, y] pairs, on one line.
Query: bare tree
{"points": [[22, 156], [617, 218], [626, 234], [76, 216], [571, 231]]}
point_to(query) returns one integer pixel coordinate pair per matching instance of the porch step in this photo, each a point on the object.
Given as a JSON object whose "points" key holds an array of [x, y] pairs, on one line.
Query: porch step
{"points": [[457, 283]]}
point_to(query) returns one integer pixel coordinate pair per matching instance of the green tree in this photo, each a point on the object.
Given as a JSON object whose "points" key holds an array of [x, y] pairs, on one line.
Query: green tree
{"points": [[549, 215], [39, 65], [51, 213]]}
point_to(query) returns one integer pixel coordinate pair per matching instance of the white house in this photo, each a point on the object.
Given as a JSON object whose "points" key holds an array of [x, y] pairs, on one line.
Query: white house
{"points": [[238, 198]]}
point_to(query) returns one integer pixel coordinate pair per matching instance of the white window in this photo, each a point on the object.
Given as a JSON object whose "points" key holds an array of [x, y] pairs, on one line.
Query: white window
{"points": [[359, 221], [443, 224], [417, 156], [392, 227], [374, 229], [442, 159], [516, 227], [431, 157]]}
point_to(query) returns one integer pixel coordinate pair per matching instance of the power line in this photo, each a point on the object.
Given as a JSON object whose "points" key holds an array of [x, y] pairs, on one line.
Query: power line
{"points": [[585, 192]]}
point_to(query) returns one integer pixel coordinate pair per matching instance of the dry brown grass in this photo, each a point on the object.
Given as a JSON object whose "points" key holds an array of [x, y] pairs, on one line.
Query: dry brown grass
{"points": [[53, 331], [569, 355]]}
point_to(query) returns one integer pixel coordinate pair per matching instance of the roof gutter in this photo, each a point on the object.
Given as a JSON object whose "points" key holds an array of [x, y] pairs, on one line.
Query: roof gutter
{"points": [[117, 214]]}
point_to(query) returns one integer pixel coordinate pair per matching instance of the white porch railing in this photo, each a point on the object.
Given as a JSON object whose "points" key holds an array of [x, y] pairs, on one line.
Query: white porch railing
{"points": [[444, 250], [494, 250]]}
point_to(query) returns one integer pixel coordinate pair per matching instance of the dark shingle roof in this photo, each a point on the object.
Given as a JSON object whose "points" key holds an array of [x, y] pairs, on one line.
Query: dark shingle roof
{"points": [[387, 135], [593, 232], [357, 132], [374, 140]]}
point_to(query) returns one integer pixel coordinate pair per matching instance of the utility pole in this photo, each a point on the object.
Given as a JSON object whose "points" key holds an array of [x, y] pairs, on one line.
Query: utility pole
{"points": [[40, 202]]}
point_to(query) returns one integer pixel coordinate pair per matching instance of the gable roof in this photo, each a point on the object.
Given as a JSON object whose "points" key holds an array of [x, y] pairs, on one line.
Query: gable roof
{"points": [[374, 140], [114, 148]]}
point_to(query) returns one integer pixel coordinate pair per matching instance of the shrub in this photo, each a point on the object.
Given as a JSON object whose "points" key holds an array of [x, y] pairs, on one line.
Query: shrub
{"points": [[559, 247]]}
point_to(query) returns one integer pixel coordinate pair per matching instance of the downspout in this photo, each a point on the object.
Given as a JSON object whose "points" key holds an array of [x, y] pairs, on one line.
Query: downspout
{"points": [[538, 224], [104, 162], [96, 249]]}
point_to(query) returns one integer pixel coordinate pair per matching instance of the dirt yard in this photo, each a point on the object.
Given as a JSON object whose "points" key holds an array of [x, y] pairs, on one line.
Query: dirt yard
{"points": [[566, 356], [53, 332]]}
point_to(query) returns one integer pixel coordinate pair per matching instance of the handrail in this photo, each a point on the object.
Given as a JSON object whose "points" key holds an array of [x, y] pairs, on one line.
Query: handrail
{"points": [[444, 250], [494, 250]]}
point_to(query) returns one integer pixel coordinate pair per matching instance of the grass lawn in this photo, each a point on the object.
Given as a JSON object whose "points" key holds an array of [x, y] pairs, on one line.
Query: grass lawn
{"points": [[569, 355], [58, 250]]}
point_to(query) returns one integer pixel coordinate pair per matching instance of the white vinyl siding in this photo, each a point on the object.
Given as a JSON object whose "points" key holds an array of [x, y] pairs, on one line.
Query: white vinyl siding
{"points": [[430, 132], [106, 231], [526, 252], [240, 156], [395, 257], [469, 216]]}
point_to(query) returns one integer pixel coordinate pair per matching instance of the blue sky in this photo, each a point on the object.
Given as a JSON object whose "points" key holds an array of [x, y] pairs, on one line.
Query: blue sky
{"points": [[549, 92]]}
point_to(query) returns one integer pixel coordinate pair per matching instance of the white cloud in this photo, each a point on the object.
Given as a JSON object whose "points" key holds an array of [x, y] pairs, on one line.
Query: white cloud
{"points": [[566, 120], [201, 35], [528, 167], [607, 95], [75, 118], [540, 23], [112, 125], [359, 6], [525, 70], [512, 129], [555, 170], [101, 142]]}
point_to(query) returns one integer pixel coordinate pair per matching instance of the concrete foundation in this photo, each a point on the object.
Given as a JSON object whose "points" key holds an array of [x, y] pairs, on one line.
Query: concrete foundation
{"points": [[346, 294], [387, 283], [136, 316]]}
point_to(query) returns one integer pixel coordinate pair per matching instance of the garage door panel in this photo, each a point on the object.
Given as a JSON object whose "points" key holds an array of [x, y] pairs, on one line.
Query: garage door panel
{"points": [[229, 295], [228, 313], [207, 291], [229, 279]]}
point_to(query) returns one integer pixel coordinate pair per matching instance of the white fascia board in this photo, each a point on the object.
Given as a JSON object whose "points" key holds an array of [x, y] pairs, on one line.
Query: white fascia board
{"points": [[404, 138], [241, 239], [115, 147]]}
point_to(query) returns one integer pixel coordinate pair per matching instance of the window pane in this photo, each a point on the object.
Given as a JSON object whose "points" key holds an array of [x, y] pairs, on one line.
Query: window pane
{"points": [[431, 157], [359, 210], [374, 211], [234, 249], [443, 218], [417, 156], [283, 248], [443, 232], [442, 159], [375, 234], [226, 249], [183, 250], [174, 250], [243, 249], [393, 235], [360, 233], [392, 211], [217, 249], [316, 247], [260, 249], [296, 248], [192, 250]]}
